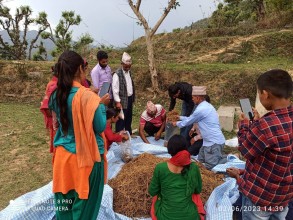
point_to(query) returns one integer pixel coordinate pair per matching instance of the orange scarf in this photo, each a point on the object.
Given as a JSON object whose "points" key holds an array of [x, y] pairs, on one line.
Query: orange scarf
{"points": [[72, 171], [84, 106]]}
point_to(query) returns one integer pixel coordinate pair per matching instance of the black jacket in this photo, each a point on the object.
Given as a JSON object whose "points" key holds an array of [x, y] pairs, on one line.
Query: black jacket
{"points": [[185, 95]]}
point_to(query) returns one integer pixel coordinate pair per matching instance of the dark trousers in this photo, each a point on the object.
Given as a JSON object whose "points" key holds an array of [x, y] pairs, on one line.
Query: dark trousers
{"points": [[126, 123], [237, 214], [195, 147], [290, 212], [187, 109], [150, 129]]}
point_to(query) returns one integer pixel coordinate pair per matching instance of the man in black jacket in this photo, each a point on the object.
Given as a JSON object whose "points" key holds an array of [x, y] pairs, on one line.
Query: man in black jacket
{"points": [[183, 91]]}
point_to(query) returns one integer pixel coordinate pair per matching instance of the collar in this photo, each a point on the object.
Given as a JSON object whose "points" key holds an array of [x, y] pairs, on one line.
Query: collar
{"points": [[125, 71]]}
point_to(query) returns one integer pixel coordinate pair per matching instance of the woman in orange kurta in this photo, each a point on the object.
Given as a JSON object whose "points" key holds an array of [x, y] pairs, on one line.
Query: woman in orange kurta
{"points": [[79, 162]]}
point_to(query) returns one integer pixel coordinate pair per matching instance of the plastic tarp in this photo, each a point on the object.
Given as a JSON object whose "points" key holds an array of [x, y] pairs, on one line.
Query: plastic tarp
{"points": [[39, 204]]}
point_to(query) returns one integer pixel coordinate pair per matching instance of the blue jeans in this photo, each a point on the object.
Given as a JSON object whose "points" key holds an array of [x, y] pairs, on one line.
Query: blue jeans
{"points": [[252, 212]]}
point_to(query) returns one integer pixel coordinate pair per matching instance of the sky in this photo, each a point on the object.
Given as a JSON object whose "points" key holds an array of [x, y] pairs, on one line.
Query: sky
{"points": [[111, 22]]}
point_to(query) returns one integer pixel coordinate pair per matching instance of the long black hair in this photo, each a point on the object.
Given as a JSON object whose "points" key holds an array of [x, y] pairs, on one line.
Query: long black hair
{"points": [[68, 64], [176, 144], [112, 112]]}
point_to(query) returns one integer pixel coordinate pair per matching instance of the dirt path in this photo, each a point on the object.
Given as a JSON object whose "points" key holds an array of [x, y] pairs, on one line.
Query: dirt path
{"points": [[213, 55]]}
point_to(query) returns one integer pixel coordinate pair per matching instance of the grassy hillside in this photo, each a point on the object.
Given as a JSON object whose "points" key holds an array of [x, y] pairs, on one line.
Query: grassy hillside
{"points": [[228, 65]]}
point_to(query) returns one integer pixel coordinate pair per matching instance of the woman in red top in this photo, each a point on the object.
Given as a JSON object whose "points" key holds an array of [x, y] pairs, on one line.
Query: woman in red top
{"points": [[49, 117], [112, 117]]}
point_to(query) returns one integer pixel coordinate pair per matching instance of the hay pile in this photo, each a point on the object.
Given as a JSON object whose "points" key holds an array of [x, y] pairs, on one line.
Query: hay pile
{"points": [[172, 116], [130, 187]]}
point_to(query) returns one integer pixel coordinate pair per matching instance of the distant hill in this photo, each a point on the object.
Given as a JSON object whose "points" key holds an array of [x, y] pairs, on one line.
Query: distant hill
{"points": [[200, 24], [48, 44]]}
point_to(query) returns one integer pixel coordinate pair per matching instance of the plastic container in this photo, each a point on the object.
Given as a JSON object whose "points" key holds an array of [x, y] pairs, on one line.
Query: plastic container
{"points": [[126, 150], [170, 130]]}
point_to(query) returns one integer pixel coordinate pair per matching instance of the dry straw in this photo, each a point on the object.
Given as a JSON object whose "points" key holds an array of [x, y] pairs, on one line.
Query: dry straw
{"points": [[130, 187]]}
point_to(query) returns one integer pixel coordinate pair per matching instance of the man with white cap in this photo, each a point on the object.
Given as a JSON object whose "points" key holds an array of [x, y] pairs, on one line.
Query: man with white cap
{"points": [[211, 153], [152, 121], [123, 93]]}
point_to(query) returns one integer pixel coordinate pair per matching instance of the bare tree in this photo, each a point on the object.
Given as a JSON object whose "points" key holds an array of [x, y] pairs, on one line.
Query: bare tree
{"points": [[149, 34]]}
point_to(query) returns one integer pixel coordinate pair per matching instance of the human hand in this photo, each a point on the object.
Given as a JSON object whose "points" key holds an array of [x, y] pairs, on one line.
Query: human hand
{"points": [[242, 116], [256, 114], [191, 132], [95, 90], [157, 136], [105, 99], [125, 137], [233, 172]]}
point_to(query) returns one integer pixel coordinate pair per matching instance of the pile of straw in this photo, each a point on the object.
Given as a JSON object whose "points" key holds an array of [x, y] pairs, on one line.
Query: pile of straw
{"points": [[130, 187], [172, 116]]}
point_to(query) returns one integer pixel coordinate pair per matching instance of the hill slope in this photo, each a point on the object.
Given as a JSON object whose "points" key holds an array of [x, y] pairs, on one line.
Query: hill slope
{"points": [[228, 65]]}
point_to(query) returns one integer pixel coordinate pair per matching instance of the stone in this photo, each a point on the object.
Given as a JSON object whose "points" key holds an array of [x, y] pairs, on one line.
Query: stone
{"points": [[226, 117], [35, 74]]}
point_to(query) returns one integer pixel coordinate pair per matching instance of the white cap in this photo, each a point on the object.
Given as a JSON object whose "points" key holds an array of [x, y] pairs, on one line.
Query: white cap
{"points": [[126, 58], [199, 90]]}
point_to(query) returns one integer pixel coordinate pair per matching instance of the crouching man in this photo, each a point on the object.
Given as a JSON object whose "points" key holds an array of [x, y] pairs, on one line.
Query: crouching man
{"points": [[152, 121]]}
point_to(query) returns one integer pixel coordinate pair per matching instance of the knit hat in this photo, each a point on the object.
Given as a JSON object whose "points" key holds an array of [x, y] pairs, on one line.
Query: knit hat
{"points": [[199, 90], [126, 58]]}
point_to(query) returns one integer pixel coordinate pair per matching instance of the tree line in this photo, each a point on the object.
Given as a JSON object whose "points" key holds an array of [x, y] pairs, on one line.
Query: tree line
{"points": [[17, 26], [232, 12]]}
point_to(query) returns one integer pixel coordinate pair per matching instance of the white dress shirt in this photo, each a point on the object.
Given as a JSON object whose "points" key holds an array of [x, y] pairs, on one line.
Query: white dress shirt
{"points": [[115, 85]]}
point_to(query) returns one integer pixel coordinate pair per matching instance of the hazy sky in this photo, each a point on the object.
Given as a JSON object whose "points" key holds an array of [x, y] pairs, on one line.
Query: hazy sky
{"points": [[106, 22]]}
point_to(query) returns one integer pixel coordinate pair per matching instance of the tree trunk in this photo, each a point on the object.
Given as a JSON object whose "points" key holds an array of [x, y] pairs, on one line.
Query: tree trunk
{"points": [[152, 63], [260, 10]]}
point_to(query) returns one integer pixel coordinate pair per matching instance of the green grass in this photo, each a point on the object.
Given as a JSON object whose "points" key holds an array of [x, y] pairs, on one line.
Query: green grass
{"points": [[25, 158], [253, 64]]}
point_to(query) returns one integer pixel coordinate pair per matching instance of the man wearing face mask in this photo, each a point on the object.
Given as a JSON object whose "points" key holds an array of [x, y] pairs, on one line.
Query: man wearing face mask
{"points": [[102, 73], [123, 93]]}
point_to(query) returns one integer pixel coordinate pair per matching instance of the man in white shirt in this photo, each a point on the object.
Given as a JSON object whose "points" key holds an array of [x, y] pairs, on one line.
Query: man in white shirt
{"points": [[123, 93]]}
